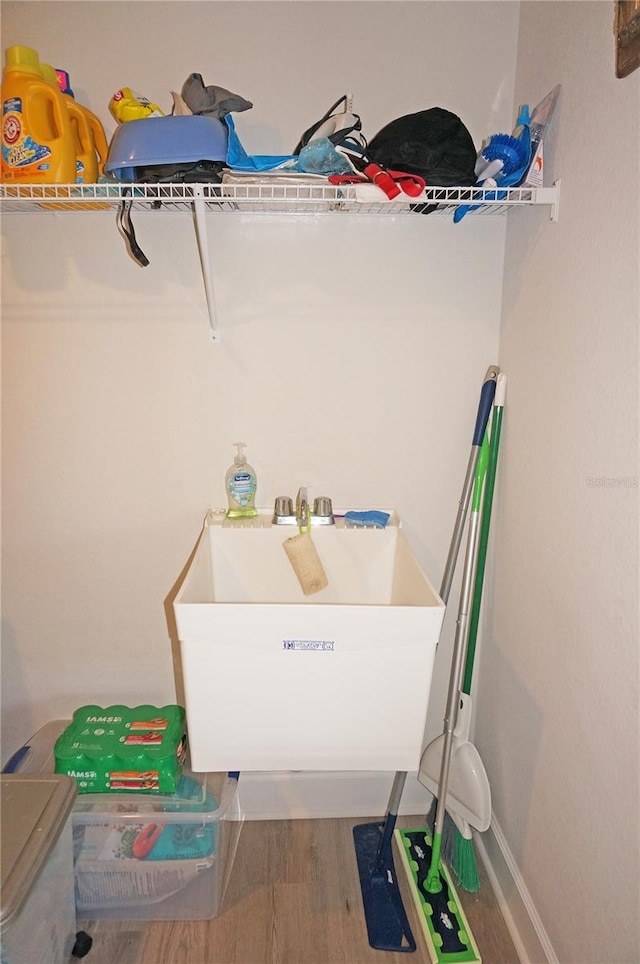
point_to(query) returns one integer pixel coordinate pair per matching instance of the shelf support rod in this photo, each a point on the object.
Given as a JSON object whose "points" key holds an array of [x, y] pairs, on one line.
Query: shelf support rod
{"points": [[199, 208]]}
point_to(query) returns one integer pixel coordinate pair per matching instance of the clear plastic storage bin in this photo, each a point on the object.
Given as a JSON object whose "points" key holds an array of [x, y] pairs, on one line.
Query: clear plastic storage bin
{"points": [[38, 918], [149, 857]]}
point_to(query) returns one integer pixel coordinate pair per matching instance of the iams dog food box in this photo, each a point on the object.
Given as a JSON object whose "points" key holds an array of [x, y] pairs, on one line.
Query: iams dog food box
{"points": [[138, 749]]}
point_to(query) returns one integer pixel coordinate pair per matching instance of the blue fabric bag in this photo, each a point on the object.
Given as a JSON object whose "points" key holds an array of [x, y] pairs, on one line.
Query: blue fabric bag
{"points": [[239, 160]]}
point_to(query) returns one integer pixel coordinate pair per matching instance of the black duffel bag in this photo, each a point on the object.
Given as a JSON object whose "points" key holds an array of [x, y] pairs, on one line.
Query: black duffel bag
{"points": [[433, 143]]}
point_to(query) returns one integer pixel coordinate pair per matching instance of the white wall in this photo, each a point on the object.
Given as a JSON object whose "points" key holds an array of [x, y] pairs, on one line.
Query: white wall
{"points": [[557, 708], [352, 356]]}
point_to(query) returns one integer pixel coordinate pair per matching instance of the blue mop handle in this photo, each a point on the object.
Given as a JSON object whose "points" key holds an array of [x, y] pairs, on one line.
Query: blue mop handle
{"points": [[487, 395]]}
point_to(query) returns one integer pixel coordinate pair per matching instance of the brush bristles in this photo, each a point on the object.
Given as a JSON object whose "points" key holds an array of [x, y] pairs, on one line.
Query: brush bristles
{"points": [[465, 866], [456, 852], [449, 831]]}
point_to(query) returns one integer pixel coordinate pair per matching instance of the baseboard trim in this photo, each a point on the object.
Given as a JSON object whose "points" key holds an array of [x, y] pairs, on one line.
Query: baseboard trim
{"points": [[516, 904], [308, 795]]}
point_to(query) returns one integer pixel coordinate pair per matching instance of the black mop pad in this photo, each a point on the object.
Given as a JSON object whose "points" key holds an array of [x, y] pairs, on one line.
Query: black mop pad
{"points": [[444, 924]]}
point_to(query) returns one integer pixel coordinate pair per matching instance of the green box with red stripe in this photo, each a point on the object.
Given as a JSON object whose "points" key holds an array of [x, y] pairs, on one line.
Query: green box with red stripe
{"points": [[122, 748]]}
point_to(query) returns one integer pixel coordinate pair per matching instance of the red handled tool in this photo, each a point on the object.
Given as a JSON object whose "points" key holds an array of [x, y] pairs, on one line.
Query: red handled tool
{"points": [[392, 183]]}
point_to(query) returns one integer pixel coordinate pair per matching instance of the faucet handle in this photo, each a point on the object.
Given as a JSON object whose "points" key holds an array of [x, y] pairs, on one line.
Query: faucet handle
{"points": [[283, 507], [322, 507]]}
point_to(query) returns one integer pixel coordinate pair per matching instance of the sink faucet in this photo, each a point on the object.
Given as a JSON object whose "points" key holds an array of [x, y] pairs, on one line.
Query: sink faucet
{"points": [[285, 515], [302, 508]]}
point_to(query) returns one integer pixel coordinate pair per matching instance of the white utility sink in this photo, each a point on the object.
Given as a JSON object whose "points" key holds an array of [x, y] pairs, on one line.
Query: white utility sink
{"points": [[276, 680]]}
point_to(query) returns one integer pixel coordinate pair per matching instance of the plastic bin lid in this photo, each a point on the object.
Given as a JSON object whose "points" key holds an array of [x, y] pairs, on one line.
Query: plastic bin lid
{"points": [[34, 811]]}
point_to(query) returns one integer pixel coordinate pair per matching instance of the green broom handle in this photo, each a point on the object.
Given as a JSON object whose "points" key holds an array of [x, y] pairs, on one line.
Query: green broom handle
{"points": [[494, 447]]}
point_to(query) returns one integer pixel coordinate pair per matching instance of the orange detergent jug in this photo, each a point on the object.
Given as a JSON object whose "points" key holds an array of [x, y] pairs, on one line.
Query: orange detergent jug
{"points": [[89, 137], [93, 139], [38, 142]]}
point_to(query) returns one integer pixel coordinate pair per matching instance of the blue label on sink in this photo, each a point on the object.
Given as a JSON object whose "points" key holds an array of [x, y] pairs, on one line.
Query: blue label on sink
{"points": [[309, 645]]}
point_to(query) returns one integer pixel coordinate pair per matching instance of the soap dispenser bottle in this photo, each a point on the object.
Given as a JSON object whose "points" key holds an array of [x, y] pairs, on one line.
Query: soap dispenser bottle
{"points": [[240, 483]]}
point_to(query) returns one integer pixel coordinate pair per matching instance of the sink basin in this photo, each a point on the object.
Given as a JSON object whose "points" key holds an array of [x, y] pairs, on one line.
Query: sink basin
{"points": [[276, 680]]}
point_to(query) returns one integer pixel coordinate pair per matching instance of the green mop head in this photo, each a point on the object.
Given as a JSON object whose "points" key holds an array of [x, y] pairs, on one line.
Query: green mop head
{"points": [[445, 927]]}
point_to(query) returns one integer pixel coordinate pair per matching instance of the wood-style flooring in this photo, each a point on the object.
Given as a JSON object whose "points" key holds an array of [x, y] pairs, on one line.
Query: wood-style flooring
{"points": [[293, 898]]}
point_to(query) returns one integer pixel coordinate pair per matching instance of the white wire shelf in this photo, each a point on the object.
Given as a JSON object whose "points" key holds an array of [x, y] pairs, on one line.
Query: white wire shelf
{"points": [[269, 197]]}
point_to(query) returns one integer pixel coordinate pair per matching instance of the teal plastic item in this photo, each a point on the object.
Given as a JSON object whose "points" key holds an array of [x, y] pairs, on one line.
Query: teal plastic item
{"points": [[183, 841], [161, 839], [190, 790], [173, 841], [239, 160], [321, 157]]}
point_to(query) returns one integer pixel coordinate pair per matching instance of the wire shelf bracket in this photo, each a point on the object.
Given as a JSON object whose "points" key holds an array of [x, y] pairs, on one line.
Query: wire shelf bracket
{"points": [[199, 209]]}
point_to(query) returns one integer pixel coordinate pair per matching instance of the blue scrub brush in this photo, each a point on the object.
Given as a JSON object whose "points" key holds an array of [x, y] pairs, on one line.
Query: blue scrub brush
{"points": [[513, 150]]}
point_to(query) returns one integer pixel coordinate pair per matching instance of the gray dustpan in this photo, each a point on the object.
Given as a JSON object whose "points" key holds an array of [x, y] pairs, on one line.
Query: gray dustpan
{"points": [[468, 793]]}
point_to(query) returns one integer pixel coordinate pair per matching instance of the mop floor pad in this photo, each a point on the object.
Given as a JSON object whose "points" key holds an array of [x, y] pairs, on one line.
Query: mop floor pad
{"points": [[388, 927], [446, 930]]}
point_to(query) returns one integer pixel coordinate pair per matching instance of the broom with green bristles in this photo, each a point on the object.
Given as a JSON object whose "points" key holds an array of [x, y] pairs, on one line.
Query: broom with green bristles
{"points": [[457, 849], [442, 918]]}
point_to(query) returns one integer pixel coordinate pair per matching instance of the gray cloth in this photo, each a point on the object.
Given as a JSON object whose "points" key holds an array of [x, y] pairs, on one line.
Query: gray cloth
{"points": [[212, 101]]}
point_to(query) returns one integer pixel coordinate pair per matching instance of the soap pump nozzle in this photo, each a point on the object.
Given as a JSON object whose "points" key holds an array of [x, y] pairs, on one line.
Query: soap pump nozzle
{"points": [[240, 458]]}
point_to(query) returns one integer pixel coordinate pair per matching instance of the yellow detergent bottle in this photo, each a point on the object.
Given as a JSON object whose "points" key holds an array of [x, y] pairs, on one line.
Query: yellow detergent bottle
{"points": [[38, 143], [89, 137], [86, 157]]}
